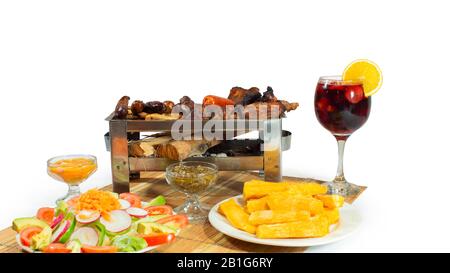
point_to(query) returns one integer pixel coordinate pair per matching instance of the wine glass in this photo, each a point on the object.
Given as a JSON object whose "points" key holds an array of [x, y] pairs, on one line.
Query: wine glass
{"points": [[72, 170], [341, 107], [192, 178]]}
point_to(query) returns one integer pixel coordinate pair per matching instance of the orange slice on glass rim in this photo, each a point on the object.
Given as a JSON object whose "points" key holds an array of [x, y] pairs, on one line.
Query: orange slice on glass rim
{"points": [[366, 71]]}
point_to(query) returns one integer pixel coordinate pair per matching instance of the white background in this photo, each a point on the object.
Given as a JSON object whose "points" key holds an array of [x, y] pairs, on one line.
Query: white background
{"points": [[63, 66]]}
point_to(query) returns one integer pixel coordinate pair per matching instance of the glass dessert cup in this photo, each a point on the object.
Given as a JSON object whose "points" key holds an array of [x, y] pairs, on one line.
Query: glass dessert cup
{"points": [[72, 170], [192, 178], [342, 108]]}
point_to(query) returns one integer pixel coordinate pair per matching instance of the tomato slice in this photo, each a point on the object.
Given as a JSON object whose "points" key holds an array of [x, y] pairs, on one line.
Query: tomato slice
{"points": [[157, 210], [134, 199], [179, 220], [158, 239], [27, 233], [56, 248], [98, 249], [46, 215]]}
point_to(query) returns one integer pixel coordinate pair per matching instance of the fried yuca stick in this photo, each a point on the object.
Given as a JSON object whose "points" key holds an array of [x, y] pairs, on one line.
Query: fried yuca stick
{"points": [[278, 216], [257, 204], [331, 201], [236, 215], [332, 215], [306, 188], [254, 189], [316, 227], [294, 201]]}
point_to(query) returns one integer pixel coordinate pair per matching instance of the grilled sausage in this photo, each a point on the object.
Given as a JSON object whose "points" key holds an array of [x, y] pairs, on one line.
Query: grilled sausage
{"points": [[121, 111]]}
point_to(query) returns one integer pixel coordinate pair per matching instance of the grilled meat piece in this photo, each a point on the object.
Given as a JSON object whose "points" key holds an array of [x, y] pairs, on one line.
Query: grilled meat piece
{"points": [[289, 106], [244, 96], [168, 106], [137, 107], [154, 107], [185, 100], [186, 106], [268, 96], [264, 110], [121, 110], [267, 110]]}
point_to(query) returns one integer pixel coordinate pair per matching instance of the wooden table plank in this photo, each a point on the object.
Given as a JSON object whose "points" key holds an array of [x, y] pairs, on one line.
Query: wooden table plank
{"points": [[198, 237]]}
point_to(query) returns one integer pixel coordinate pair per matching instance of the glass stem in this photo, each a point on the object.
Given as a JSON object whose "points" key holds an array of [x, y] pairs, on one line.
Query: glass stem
{"points": [[340, 170], [192, 199], [74, 190]]}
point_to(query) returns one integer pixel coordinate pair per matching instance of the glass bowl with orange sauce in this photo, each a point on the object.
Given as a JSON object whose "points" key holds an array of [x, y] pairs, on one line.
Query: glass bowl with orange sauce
{"points": [[72, 170]]}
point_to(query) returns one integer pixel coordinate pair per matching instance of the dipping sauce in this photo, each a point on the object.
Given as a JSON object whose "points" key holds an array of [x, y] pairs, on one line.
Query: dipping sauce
{"points": [[191, 178], [72, 170]]}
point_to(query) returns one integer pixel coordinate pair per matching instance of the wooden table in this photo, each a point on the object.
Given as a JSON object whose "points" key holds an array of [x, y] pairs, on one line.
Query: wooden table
{"points": [[197, 237]]}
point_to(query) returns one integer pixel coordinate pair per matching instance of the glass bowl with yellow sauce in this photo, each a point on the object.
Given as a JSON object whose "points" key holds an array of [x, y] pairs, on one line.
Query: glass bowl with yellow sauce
{"points": [[192, 178]]}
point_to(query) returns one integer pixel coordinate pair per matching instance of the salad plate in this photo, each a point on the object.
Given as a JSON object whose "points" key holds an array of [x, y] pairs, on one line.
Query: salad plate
{"points": [[29, 250], [349, 221], [100, 222]]}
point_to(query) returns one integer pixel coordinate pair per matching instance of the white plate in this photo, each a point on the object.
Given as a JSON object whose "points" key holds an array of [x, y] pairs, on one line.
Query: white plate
{"points": [[349, 222]]}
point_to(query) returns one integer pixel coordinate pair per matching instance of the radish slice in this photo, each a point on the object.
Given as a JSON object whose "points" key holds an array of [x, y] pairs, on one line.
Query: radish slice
{"points": [[118, 221], [137, 212], [86, 235], [124, 204], [87, 216], [56, 221], [59, 232]]}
